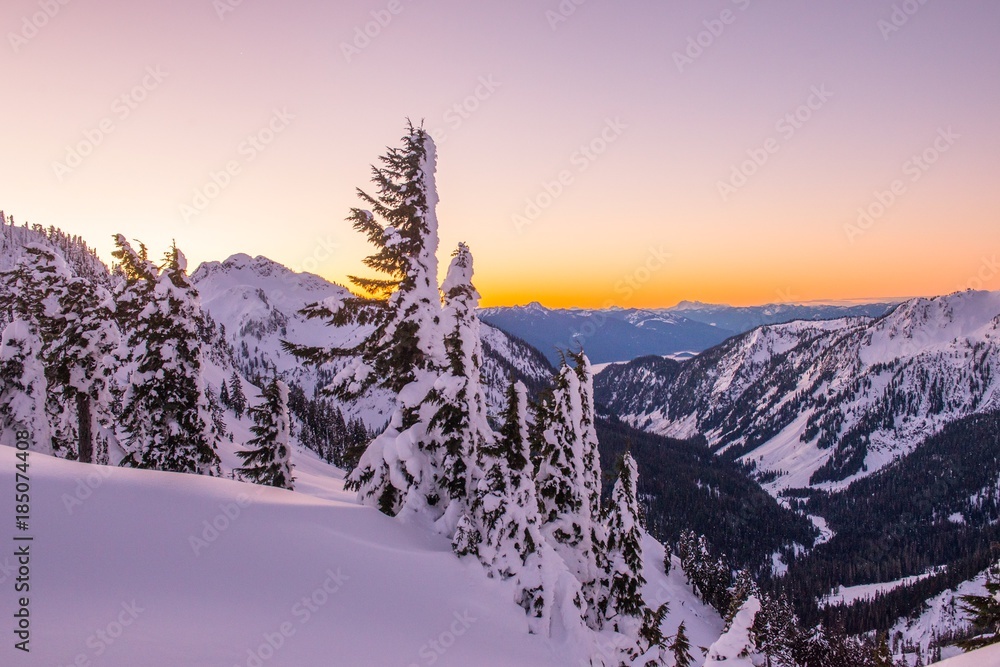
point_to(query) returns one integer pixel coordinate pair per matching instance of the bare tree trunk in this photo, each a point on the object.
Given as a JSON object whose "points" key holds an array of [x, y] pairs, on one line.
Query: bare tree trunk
{"points": [[86, 443]]}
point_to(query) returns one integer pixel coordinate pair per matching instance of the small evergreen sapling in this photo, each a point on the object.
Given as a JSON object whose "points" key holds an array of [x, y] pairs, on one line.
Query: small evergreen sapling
{"points": [[237, 399]]}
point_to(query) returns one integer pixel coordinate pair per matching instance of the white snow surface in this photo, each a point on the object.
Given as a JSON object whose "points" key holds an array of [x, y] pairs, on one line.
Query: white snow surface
{"points": [[850, 594], [345, 584], [941, 614], [984, 657]]}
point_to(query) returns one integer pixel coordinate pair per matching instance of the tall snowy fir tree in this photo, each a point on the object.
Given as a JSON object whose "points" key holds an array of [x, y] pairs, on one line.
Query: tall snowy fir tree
{"points": [[458, 429], [166, 421], [404, 352], [624, 608], [269, 460], [73, 318], [568, 481]]}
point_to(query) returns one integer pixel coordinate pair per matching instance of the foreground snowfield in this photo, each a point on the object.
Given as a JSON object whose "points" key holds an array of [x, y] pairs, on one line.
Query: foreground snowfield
{"points": [[984, 657], [126, 569]]}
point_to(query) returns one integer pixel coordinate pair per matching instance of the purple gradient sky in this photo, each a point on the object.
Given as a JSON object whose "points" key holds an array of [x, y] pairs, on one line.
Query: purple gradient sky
{"points": [[653, 192]]}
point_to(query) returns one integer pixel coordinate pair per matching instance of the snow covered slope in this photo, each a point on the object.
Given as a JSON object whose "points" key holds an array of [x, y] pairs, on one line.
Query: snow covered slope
{"points": [[135, 567], [984, 657], [822, 403], [258, 301], [942, 615]]}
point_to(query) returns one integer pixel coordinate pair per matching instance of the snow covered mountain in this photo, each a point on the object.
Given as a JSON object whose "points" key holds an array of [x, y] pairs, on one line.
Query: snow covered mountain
{"points": [[744, 318], [622, 334], [258, 301], [823, 403]]}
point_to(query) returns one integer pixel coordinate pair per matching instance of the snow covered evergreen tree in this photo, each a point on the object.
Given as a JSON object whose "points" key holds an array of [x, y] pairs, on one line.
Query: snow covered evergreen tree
{"points": [[81, 365], [743, 587], [73, 318], [504, 514], [984, 611], [269, 462], [624, 609], [736, 647], [458, 429], [22, 386], [404, 352], [166, 420], [568, 481], [680, 648], [237, 399], [776, 631], [224, 395]]}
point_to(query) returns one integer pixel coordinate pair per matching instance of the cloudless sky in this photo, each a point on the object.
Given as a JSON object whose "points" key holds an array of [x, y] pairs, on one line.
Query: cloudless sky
{"points": [[116, 114]]}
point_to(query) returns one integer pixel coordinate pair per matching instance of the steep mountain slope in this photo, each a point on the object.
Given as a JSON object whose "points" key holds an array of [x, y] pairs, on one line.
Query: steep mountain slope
{"points": [[258, 301], [622, 334], [822, 403], [683, 486], [198, 571], [928, 521]]}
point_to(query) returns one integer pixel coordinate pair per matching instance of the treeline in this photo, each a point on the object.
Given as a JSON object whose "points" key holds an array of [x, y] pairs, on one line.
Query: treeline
{"points": [[937, 507]]}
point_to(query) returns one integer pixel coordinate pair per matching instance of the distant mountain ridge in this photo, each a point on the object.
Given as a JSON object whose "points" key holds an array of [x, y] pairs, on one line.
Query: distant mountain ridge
{"points": [[822, 403], [622, 334]]}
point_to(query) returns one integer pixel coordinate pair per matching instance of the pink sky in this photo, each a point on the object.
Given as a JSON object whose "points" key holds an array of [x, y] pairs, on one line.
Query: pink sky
{"points": [[596, 158]]}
